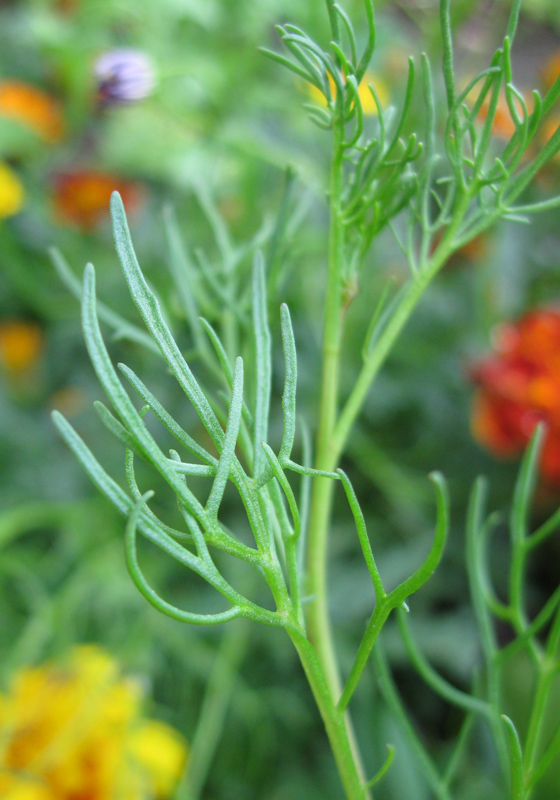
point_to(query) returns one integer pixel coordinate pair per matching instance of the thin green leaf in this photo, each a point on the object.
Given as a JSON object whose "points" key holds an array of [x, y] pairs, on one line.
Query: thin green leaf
{"points": [[361, 529], [114, 426], [120, 325], [286, 488], [230, 440], [295, 68], [447, 43], [517, 789], [290, 384], [166, 419], [423, 573], [525, 486], [382, 771], [151, 596], [150, 310], [370, 45], [184, 276], [263, 364]]}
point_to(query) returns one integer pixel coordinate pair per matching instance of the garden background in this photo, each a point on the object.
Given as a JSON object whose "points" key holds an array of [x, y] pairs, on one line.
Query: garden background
{"points": [[221, 141]]}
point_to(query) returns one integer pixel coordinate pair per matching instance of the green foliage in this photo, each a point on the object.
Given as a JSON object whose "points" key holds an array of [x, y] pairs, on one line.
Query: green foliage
{"points": [[434, 186]]}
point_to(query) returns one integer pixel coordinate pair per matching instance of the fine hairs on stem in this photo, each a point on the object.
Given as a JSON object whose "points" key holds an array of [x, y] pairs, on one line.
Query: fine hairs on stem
{"points": [[382, 176]]}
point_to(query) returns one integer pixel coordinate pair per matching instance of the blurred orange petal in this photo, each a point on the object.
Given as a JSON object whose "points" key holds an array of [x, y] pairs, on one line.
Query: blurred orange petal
{"points": [[518, 386], [21, 344], [32, 107], [82, 197]]}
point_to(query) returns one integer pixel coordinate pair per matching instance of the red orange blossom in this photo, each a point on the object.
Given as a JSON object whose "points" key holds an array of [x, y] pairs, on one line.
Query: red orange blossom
{"points": [[519, 386]]}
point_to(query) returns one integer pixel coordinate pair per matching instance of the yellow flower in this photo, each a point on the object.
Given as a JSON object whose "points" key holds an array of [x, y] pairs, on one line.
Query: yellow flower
{"points": [[368, 103], [11, 192], [159, 753], [32, 107], [14, 787], [73, 730], [20, 345]]}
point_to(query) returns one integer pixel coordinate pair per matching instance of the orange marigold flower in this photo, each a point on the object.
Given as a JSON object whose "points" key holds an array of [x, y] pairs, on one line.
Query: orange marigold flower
{"points": [[32, 107], [73, 730], [21, 344], [82, 197], [519, 386]]}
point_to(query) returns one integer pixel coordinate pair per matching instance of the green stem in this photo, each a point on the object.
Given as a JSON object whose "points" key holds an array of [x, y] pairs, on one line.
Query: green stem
{"points": [[387, 339], [333, 19], [336, 722], [317, 609], [317, 613]]}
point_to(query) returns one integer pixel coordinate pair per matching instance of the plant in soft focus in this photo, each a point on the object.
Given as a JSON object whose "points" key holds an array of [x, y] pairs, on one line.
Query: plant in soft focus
{"points": [[518, 387], [82, 197], [435, 186], [74, 729]]}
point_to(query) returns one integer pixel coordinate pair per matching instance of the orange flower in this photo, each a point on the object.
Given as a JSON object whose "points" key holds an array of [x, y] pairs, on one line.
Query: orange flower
{"points": [[519, 386], [32, 107], [82, 197], [73, 730], [21, 344]]}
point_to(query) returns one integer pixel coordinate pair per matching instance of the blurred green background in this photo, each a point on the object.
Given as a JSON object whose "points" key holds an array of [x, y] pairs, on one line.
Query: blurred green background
{"points": [[219, 130]]}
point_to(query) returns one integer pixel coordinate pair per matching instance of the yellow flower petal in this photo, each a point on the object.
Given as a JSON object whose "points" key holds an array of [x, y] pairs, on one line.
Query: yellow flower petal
{"points": [[161, 752], [14, 787], [73, 729], [11, 192]]}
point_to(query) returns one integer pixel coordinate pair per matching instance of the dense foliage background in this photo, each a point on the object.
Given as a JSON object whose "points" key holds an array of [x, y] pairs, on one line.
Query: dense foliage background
{"points": [[220, 128]]}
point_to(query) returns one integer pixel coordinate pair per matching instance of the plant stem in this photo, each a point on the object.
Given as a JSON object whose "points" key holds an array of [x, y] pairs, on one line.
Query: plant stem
{"points": [[332, 436], [317, 610], [320, 634], [335, 721]]}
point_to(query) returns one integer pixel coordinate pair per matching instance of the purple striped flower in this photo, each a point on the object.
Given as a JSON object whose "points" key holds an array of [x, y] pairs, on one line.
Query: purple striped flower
{"points": [[124, 76]]}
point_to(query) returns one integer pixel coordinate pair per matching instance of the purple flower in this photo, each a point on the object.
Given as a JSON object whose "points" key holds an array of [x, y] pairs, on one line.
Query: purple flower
{"points": [[124, 76]]}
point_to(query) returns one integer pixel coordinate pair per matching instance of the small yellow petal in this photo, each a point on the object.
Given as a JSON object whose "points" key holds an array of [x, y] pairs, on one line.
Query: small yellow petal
{"points": [[11, 192], [161, 752]]}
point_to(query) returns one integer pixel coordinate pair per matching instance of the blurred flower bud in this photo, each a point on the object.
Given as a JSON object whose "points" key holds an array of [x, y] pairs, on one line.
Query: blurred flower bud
{"points": [[124, 76]]}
